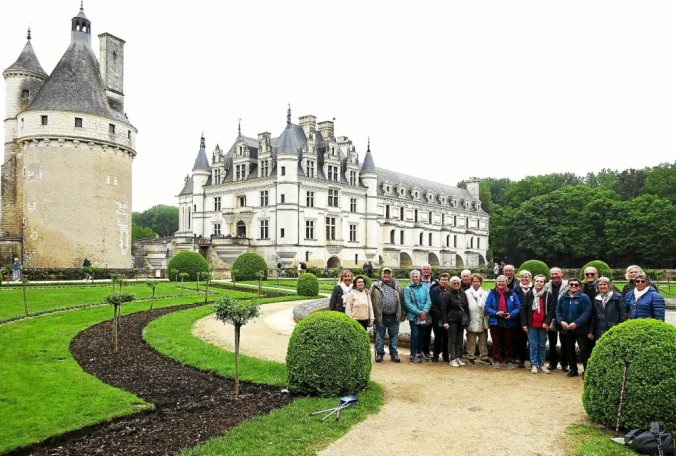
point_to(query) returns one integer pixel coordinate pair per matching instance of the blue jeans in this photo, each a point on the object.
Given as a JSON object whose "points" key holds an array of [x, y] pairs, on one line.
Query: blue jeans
{"points": [[415, 334], [537, 338], [390, 324]]}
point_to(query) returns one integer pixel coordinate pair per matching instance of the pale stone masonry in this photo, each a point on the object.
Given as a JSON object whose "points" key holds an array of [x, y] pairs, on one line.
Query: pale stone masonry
{"points": [[66, 173], [306, 196]]}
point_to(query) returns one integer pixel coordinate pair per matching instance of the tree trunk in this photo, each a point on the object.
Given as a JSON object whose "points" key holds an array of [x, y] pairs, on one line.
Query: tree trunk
{"points": [[115, 329], [25, 301], [206, 292], [237, 328]]}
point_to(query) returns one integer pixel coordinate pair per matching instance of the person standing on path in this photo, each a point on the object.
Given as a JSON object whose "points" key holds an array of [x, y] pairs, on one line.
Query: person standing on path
{"points": [[428, 282], [16, 270], [503, 309], [478, 321], [557, 286], [358, 303], [451, 313], [537, 312], [340, 292], [573, 313], [387, 296], [86, 264], [418, 303], [438, 295]]}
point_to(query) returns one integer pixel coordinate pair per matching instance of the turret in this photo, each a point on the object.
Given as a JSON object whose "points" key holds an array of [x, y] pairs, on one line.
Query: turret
{"points": [[81, 28], [370, 179]]}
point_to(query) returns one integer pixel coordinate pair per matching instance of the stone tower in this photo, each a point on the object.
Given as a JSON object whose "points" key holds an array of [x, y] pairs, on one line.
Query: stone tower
{"points": [[66, 174]]}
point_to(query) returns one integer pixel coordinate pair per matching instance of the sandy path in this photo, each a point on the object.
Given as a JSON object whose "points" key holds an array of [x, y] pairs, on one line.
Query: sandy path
{"points": [[437, 409]]}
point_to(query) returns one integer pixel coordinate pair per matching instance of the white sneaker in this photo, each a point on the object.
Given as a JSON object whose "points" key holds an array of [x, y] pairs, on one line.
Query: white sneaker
{"points": [[497, 365], [460, 361], [544, 369], [534, 370], [454, 363]]}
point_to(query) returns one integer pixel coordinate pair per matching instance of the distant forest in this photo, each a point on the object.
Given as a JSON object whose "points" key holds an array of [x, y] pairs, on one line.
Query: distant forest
{"points": [[620, 217]]}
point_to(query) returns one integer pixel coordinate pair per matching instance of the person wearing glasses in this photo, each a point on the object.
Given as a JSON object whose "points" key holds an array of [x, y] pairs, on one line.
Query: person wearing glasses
{"points": [[417, 302], [358, 303], [520, 338], [451, 314], [537, 313], [630, 274], [387, 298], [340, 292], [503, 308], [557, 286], [573, 313], [610, 308], [644, 301]]}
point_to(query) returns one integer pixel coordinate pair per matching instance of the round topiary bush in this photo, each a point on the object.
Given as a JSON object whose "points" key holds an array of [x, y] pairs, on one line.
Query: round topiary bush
{"points": [[648, 348], [188, 262], [328, 355], [307, 285], [247, 265], [601, 266], [535, 267]]}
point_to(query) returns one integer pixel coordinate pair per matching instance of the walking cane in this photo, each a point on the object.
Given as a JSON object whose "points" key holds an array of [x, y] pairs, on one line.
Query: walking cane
{"points": [[619, 406]]}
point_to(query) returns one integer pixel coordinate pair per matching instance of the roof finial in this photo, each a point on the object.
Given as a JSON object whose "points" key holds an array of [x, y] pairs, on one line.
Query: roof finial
{"points": [[368, 147], [239, 128], [288, 117], [81, 5], [202, 140], [29, 32]]}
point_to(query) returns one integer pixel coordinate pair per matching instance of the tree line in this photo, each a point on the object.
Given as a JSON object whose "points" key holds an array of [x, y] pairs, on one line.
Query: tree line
{"points": [[621, 217], [160, 220]]}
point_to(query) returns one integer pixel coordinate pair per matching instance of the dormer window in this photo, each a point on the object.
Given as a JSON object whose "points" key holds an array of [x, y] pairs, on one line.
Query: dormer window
{"points": [[25, 94], [454, 202], [430, 197], [442, 200]]}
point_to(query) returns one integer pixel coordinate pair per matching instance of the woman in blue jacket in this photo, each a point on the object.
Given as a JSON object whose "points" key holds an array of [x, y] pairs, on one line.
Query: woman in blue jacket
{"points": [[417, 302], [573, 312], [644, 301], [503, 309]]}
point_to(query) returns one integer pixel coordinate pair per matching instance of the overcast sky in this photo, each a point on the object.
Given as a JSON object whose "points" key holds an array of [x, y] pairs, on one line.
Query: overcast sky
{"points": [[446, 90]]}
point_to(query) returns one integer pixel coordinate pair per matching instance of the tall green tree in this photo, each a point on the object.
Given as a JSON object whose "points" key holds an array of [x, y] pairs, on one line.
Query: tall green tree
{"points": [[141, 232], [661, 181], [629, 183], [161, 219], [533, 186]]}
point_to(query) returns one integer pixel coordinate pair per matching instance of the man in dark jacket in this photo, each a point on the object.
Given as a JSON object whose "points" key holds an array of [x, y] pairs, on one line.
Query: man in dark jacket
{"points": [[387, 299], [573, 313], [591, 275], [429, 282]]}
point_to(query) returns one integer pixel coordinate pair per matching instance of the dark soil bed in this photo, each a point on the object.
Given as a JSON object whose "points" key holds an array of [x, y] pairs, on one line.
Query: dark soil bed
{"points": [[191, 405]]}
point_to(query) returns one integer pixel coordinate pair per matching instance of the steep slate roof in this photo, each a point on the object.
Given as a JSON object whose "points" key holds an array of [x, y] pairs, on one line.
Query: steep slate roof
{"points": [[188, 187], [27, 61], [368, 166], [291, 140], [201, 161]]}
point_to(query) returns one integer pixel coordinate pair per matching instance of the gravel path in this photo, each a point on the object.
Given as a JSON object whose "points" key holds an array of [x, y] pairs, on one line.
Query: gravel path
{"points": [[432, 408]]}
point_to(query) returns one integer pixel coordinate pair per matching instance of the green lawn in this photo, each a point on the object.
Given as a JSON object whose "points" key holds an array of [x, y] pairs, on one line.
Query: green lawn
{"points": [[590, 440], [43, 298]]}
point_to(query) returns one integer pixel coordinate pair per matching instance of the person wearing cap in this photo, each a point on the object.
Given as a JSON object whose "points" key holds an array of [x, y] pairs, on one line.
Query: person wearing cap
{"points": [[386, 296]]}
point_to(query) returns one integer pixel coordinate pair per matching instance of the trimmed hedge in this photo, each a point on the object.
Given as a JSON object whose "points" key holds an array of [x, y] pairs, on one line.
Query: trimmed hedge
{"points": [[535, 267], [601, 266], [247, 265], [189, 262], [648, 347], [328, 355], [307, 285]]}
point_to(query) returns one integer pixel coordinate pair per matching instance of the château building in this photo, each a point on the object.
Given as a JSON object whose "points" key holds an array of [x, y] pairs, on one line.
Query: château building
{"points": [[66, 173], [307, 196]]}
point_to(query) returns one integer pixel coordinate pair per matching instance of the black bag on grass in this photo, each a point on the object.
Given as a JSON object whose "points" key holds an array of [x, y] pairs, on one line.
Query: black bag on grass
{"points": [[656, 441]]}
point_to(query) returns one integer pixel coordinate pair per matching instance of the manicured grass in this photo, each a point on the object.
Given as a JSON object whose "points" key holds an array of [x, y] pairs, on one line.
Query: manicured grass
{"points": [[44, 298], [325, 285], [290, 430], [587, 440]]}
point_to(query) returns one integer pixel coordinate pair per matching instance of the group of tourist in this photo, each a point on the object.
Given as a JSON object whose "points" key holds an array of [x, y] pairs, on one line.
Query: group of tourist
{"points": [[522, 314]]}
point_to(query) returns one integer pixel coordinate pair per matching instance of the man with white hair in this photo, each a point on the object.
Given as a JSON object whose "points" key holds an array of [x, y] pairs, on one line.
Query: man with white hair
{"points": [[557, 286], [428, 282], [465, 280], [510, 274]]}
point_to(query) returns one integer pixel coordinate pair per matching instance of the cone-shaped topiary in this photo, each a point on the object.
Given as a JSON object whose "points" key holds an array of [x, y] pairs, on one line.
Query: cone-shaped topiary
{"points": [[189, 263], [601, 266], [307, 285], [248, 265], [648, 348], [328, 355], [535, 267]]}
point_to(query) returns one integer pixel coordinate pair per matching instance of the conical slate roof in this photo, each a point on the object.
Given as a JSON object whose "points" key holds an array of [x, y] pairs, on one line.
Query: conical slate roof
{"points": [[368, 165], [201, 162], [75, 85], [27, 62], [291, 140]]}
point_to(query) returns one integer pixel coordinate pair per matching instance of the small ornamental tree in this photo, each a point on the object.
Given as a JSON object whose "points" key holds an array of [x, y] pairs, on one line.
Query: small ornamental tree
{"points": [[247, 265], [328, 355], [190, 263], [535, 267], [117, 300], [24, 284], [307, 285], [601, 266], [631, 376], [152, 284], [237, 313], [114, 279], [173, 272], [183, 276], [206, 276]]}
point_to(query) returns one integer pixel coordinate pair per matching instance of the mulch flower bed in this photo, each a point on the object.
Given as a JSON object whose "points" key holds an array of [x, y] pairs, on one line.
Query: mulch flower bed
{"points": [[192, 406]]}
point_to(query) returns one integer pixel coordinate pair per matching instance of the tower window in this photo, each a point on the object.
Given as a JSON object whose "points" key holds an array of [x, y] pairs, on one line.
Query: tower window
{"points": [[111, 128], [78, 121], [283, 171], [44, 120], [128, 134], [25, 94]]}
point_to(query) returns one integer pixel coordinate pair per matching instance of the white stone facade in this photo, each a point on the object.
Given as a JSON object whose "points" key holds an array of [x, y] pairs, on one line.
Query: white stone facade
{"points": [[306, 196]]}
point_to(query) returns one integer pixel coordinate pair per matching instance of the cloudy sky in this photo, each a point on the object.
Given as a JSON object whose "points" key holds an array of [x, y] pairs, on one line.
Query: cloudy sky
{"points": [[445, 90]]}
